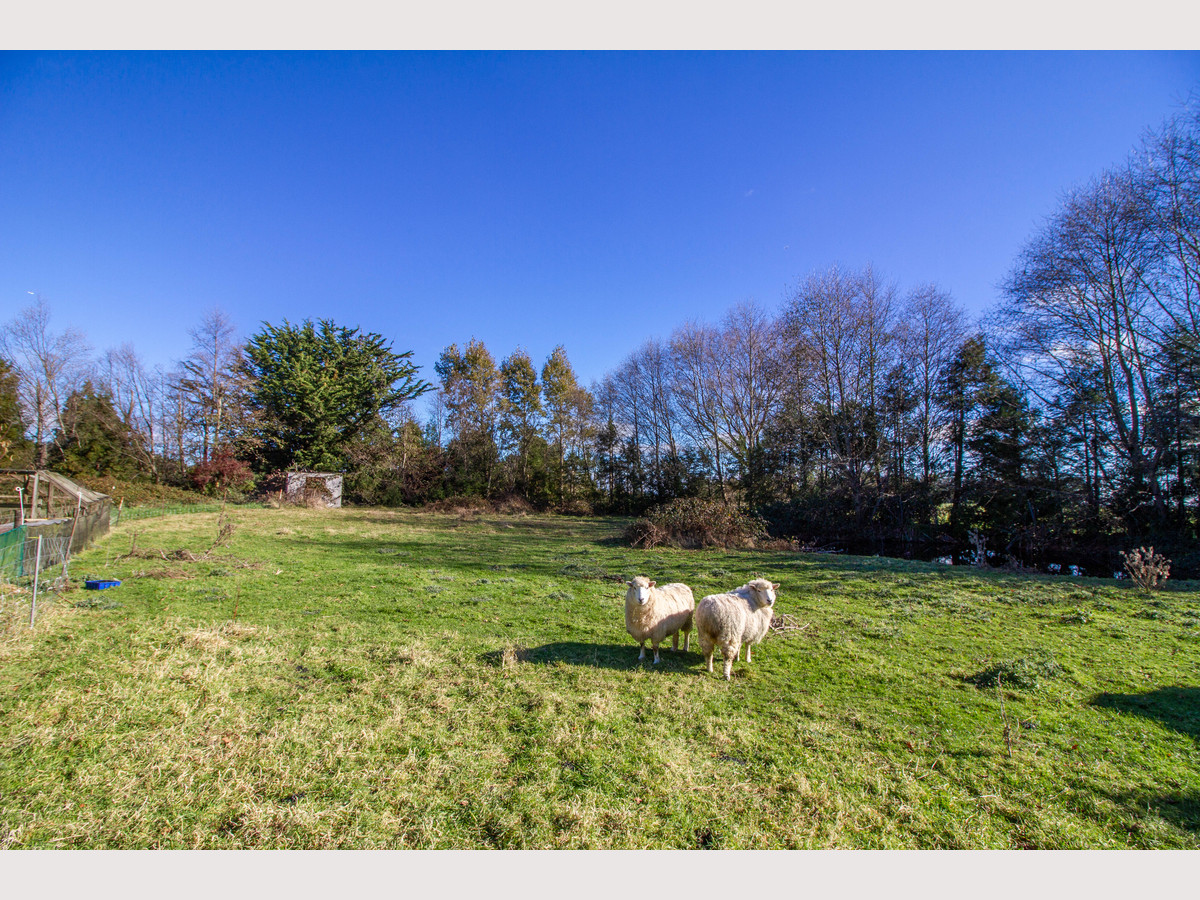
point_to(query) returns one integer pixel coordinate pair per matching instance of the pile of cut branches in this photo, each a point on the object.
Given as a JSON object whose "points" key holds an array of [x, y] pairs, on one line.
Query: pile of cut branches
{"points": [[225, 529], [786, 625]]}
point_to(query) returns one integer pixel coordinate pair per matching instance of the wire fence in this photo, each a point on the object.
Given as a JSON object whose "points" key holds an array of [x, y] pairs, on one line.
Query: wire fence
{"points": [[18, 545], [19, 557], [42, 552]]}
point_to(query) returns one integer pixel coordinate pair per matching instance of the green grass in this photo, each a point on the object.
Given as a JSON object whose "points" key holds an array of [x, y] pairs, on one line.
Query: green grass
{"points": [[366, 678]]}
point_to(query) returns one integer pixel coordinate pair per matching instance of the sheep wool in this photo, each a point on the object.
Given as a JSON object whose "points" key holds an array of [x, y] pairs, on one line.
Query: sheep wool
{"points": [[654, 613], [737, 617]]}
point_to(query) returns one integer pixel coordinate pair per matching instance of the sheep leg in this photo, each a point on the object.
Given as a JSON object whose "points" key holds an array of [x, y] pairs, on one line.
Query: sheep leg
{"points": [[729, 654], [747, 652], [687, 640], [675, 641], [655, 643], [642, 646]]}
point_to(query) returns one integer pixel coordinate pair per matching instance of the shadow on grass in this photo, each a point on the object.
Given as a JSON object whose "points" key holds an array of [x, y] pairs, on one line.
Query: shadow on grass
{"points": [[1175, 707], [1179, 809], [622, 657]]}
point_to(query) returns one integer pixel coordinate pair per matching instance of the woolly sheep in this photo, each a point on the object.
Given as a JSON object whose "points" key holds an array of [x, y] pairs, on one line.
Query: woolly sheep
{"points": [[738, 617], [653, 613]]}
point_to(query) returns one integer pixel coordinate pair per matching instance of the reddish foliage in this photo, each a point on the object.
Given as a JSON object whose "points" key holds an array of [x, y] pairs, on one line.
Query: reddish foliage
{"points": [[223, 471]]}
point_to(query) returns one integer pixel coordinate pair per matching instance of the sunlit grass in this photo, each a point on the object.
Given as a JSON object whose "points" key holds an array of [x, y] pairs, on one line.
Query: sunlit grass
{"points": [[376, 678]]}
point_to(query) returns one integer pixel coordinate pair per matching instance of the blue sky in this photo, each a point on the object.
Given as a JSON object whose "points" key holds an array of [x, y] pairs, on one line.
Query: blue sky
{"points": [[588, 199]]}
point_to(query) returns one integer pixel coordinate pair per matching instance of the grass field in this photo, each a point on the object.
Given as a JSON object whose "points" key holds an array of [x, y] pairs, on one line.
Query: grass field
{"points": [[365, 678]]}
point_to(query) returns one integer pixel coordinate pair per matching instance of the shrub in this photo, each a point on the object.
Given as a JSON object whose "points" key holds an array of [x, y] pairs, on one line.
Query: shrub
{"points": [[460, 505], [695, 522], [224, 471], [576, 508], [1146, 567], [513, 505]]}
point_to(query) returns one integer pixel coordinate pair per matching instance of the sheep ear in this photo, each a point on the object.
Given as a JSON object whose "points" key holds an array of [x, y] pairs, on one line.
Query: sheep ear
{"points": [[630, 583], [653, 583], [774, 587]]}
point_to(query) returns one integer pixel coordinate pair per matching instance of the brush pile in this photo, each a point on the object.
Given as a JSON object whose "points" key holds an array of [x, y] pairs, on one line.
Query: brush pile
{"points": [[785, 625]]}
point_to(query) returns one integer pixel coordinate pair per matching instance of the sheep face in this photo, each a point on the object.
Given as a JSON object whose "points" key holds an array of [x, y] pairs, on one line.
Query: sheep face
{"points": [[764, 592], [639, 589]]}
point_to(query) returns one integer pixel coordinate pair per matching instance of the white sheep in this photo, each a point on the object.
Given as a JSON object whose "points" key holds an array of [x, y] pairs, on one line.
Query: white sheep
{"points": [[738, 617], [653, 613]]}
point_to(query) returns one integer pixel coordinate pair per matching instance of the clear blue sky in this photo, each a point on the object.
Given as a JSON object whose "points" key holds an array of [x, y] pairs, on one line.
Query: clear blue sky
{"points": [[588, 199]]}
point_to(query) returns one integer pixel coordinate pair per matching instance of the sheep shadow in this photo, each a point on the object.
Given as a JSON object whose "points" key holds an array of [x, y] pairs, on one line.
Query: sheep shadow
{"points": [[620, 657], [1175, 707], [1181, 809]]}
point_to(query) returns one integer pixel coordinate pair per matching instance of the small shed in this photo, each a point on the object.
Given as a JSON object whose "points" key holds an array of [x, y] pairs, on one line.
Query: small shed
{"points": [[316, 490]]}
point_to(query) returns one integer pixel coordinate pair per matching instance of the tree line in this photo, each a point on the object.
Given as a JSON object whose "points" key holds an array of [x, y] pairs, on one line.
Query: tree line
{"points": [[1065, 421]]}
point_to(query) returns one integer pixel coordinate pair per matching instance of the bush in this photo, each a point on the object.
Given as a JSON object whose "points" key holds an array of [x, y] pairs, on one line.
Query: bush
{"points": [[513, 505], [222, 473], [695, 522], [576, 508], [507, 505], [1146, 567]]}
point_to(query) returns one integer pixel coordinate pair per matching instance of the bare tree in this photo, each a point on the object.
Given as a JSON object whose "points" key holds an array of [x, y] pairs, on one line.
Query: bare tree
{"points": [[695, 354], [1167, 173], [653, 384], [748, 384], [49, 366], [134, 392], [174, 422], [874, 318], [627, 402], [844, 323], [930, 331], [820, 318], [210, 377], [1080, 299]]}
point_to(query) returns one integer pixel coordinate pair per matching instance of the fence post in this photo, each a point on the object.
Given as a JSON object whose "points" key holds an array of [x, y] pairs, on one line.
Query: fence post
{"points": [[71, 539], [36, 570]]}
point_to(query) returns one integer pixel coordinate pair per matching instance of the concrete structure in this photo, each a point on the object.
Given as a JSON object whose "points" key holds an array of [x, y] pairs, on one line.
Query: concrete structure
{"points": [[315, 490]]}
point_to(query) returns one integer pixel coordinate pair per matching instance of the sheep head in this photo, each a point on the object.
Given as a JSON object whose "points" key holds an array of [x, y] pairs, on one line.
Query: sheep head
{"points": [[639, 589], [763, 592]]}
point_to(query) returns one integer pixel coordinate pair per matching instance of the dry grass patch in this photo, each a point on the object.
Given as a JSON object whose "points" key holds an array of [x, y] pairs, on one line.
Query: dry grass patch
{"points": [[220, 637]]}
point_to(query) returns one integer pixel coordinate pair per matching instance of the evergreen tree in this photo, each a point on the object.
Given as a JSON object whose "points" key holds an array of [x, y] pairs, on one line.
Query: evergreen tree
{"points": [[92, 439], [999, 442], [315, 388], [14, 448], [962, 379]]}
